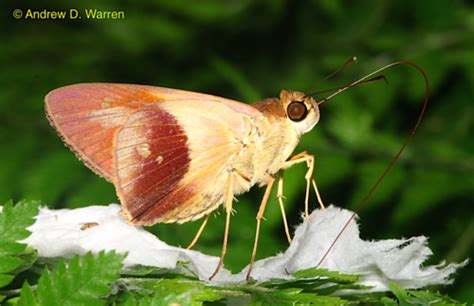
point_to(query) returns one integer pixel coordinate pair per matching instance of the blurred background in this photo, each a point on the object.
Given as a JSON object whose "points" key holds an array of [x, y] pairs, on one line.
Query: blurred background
{"points": [[247, 51]]}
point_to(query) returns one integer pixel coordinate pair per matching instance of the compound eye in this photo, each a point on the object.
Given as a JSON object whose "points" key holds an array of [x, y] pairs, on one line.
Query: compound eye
{"points": [[297, 111]]}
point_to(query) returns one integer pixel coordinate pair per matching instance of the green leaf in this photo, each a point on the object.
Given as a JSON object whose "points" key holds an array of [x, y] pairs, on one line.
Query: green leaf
{"points": [[82, 281], [26, 296], [28, 258], [318, 281], [170, 291], [388, 301], [330, 275], [401, 294], [14, 221], [427, 297], [293, 296], [419, 297], [140, 270], [9, 263], [5, 279]]}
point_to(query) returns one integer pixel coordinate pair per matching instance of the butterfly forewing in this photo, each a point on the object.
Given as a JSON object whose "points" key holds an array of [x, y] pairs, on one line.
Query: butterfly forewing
{"points": [[167, 151], [87, 116]]}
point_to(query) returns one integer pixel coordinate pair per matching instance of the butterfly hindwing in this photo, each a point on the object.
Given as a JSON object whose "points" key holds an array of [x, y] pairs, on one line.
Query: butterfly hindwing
{"points": [[152, 156], [172, 161]]}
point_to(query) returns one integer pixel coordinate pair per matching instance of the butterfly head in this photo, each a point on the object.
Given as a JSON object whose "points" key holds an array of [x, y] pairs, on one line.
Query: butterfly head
{"points": [[301, 111]]}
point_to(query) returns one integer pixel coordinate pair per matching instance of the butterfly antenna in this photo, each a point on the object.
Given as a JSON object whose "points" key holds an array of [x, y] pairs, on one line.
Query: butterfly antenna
{"points": [[397, 156], [368, 78], [343, 66], [372, 80]]}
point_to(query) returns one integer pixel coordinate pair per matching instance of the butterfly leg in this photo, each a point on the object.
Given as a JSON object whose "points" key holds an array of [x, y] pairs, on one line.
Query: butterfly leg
{"points": [[318, 196], [309, 160], [229, 196], [315, 187], [282, 207], [260, 213], [199, 232]]}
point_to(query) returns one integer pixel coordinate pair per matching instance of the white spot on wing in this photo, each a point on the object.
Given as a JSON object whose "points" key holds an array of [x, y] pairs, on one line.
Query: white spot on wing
{"points": [[143, 150], [159, 159], [107, 103]]}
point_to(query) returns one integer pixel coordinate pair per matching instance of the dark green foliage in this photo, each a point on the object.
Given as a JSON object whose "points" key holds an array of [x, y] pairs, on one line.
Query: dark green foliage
{"points": [[83, 281], [27, 297], [249, 50], [420, 297], [309, 287], [167, 291], [14, 256]]}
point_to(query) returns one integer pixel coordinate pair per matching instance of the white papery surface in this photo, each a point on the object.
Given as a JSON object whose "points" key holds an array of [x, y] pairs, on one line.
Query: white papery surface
{"points": [[60, 233]]}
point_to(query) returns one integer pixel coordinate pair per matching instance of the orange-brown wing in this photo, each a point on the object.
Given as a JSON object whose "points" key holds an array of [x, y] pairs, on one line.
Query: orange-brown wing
{"points": [[88, 116], [152, 156], [165, 150], [172, 161]]}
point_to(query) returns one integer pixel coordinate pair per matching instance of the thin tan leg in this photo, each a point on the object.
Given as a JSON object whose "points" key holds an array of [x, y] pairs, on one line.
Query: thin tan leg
{"points": [[198, 234], [282, 207], [308, 177], [320, 200], [306, 201], [260, 213], [228, 212], [299, 156], [309, 159]]}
